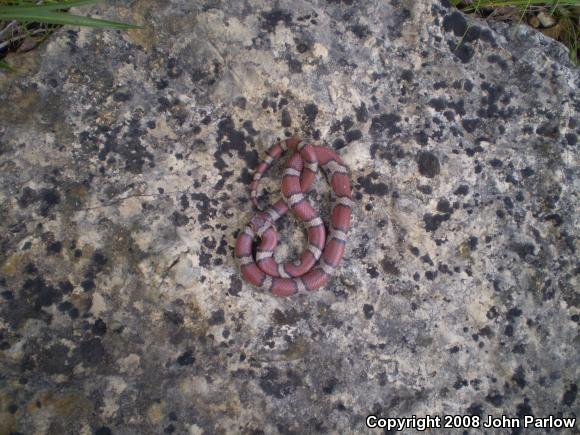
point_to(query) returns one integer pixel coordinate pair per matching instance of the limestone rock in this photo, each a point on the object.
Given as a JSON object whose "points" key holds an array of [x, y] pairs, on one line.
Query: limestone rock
{"points": [[126, 159]]}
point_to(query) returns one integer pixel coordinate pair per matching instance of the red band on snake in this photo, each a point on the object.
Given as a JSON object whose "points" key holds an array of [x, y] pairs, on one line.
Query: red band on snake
{"points": [[317, 263]]}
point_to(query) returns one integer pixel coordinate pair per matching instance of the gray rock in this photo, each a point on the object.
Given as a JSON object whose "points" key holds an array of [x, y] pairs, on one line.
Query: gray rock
{"points": [[126, 158]]}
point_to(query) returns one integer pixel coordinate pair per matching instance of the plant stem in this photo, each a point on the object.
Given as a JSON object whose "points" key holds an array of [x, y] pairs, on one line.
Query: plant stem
{"points": [[19, 37]]}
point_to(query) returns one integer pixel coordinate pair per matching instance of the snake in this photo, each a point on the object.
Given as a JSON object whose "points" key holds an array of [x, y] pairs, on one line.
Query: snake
{"points": [[324, 252]]}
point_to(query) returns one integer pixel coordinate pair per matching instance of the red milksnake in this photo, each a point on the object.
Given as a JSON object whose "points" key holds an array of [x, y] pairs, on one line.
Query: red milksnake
{"points": [[324, 252]]}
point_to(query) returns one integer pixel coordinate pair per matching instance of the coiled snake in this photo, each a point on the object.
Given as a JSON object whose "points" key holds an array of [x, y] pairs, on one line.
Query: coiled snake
{"points": [[317, 263]]}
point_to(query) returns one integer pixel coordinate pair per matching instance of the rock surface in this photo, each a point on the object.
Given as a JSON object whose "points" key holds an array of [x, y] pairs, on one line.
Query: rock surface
{"points": [[125, 161]]}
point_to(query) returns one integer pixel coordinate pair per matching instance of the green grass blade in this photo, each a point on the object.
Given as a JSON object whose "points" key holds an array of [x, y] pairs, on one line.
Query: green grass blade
{"points": [[31, 15], [50, 6]]}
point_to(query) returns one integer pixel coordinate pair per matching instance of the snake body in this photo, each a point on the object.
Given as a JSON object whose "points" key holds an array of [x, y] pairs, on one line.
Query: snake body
{"points": [[324, 252]]}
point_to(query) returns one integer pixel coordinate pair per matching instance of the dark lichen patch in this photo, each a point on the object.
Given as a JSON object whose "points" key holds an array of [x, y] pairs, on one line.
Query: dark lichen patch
{"points": [[386, 122], [458, 106], [48, 199], [509, 331], [173, 317], [353, 135], [431, 275], [496, 59], [236, 141], [472, 243], [204, 259], [475, 409], [492, 313], [7, 295], [88, 284], [407, 75], [269, 20], [399, 17], [368, 311], [330, 385], [495, 163], [27, 197], [519, 377], [91, 352], [335, 126], [427, 260], [54, 248], [440, 85], [390, 266], [513, 314], [126, 143], [54, 360], [428, 164], [473, 33], [289, 317], [460, 383], [422, 138], [186, 358], [35, 294], [217, 317], [338, 144], [390, 152], [362, 113], [570, 394], [362, 249], [99, 327], [311, 111], [294, 65], [443, 268], [173, 68], [179, 219], [279, 386], [444, 206], [524, 409], [495, 398], [184, 202], [439, 104], [527, 172], [571, 139], [455, 23], [462, 51], [122, 97], [249, 127], [347, 123], [549, 129], [302, 46], [286, 119], [371, 187], [360, 31], [522, 249], [372, 271], [469, 125], [209, 242], [494, 95], [433, 222], [69, 308]]}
